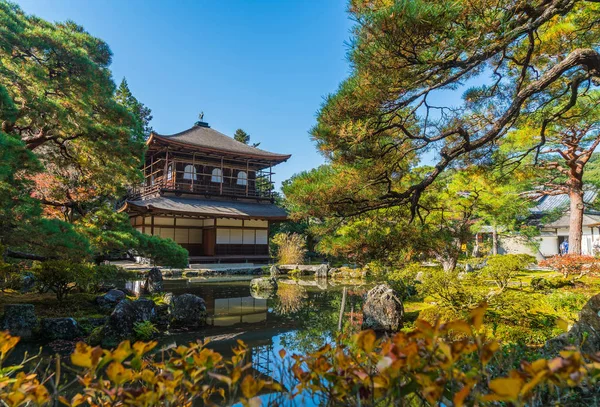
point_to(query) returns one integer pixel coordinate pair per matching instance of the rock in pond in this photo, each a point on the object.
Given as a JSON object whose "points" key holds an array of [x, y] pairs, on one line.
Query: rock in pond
{"points": [[322, 271], [383, 310], [263, 287], [110, 299], [121, 323], [20, 320], [60, 328], [274, 271], [154, 281], [188, 311]]}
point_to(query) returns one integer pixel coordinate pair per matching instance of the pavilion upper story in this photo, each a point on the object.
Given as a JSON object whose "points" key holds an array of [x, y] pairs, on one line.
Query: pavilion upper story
{"points": [[202, 161]]}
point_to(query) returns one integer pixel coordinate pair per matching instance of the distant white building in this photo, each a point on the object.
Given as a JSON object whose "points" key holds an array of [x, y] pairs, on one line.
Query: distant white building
{"points": [[553, 233]]}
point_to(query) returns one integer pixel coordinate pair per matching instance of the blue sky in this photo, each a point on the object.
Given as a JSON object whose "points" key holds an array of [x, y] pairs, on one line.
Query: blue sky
{"points": [[263, 66]]}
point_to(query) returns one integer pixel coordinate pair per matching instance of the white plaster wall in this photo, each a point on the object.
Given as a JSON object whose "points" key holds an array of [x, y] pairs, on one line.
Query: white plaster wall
{"points": [[517, 245]]}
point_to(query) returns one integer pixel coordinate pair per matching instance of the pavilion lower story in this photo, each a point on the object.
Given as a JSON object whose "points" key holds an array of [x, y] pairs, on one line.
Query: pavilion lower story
{"points": [[211, 231], [210, 238]]}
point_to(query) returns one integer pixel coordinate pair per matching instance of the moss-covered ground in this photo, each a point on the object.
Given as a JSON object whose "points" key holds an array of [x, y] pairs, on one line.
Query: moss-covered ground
{"points": [[76, 305], [521, 315]]}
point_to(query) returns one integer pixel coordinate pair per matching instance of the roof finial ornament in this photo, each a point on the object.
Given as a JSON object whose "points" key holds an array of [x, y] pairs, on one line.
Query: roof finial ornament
{"points": [[201, 122]]}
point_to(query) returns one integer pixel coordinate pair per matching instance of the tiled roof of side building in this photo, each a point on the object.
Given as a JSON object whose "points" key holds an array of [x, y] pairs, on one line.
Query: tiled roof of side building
{"points": [[207, 138], [550, 203]]}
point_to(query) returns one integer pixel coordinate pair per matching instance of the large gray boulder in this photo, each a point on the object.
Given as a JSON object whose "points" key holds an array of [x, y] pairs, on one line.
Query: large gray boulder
{"points": [[154, 281], [110, 299], [188, 311], [383, 310], [20, 320], [274, 271], [127, 313], [263, 287], [585, 333], [60, 328]]}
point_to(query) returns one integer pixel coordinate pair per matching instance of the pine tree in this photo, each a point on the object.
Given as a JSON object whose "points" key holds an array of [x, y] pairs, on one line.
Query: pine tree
{"points": [[243, 137], [142, 114]]}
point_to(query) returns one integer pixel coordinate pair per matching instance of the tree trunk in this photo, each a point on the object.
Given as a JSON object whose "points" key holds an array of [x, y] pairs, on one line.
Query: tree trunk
{"points": [[476, 247], [495, 241], [447, 261], [575, 220], [449, 264]]}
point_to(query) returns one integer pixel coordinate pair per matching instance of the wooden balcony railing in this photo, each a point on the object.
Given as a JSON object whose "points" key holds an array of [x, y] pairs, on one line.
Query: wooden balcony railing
{"points": [[254, 189]]}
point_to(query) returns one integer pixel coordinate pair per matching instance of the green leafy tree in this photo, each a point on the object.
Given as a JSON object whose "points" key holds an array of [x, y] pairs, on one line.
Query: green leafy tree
{"points": [[502, 202], [70, 143], [447, 212], [405, 54], [563, 148], [64, 110], [111, 235]]}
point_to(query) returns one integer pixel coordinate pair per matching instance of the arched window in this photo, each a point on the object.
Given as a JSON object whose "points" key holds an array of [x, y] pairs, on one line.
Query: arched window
{"points": [[189, 172], [242, 178], [217, 176]]}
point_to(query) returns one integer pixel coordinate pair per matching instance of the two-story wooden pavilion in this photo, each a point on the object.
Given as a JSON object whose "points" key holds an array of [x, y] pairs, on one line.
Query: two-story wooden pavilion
{"points": [[210, 193]]}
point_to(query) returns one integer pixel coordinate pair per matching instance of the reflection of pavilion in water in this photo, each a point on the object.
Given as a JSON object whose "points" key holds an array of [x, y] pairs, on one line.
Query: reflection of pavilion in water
{"points": [[226, 305], [231, 311]]}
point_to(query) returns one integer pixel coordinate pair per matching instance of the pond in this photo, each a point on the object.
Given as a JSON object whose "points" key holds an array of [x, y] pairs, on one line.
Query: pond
{"points": [[300, 318]]}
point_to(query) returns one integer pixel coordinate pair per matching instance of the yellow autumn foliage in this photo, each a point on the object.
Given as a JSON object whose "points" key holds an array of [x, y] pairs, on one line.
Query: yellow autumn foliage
{"points": [[424, 365]]}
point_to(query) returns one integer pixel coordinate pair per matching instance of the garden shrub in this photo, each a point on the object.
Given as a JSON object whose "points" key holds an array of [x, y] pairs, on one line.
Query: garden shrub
{"points": [[435, 314], [404, 281], [502, 268], [454, 289], [291, 248], [540, 283], [102, 275], [144, 331], [573, 265], [62, 276], [163, 252]]}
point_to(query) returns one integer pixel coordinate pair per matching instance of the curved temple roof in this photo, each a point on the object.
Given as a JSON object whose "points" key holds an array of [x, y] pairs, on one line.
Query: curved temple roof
{"points": [[206, 138], [211, 208]]}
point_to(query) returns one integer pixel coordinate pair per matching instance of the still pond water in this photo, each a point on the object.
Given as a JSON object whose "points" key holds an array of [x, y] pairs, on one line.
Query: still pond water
{"points": [[301, 317]]}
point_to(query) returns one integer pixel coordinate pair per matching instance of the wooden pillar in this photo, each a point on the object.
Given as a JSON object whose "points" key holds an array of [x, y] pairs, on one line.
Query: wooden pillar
{"points": [[247, 175], [166, 167], [152, 170], [270, 179], [193, 169], [151, 225], [222, 178]]}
